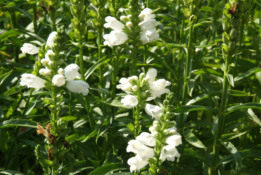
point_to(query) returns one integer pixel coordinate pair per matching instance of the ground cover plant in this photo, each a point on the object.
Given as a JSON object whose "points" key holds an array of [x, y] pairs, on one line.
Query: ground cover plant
{"points": [[155, 87]]}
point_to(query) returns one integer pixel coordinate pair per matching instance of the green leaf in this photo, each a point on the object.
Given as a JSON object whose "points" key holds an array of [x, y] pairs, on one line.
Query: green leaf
{"points": [[243, 106], [237, 93], [11, 172], [258, 77], [95, 66], [92, 134], [230, 80], [195, 154], [108, 168], [8, 34], [72, 138], [233, 150], [69, 118], [231, 136], [247, 73], [124, 173], [115, 102], [192, 139], [183, 109], [253, 117], [202, 97], [18, 122]]}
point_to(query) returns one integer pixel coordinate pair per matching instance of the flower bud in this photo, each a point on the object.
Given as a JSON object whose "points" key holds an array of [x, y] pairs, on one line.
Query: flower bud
{"points": [[123, 18], [129, 24], [155, 134], [135, 88], [152, 129], [132, 79], [129, 16], [60, 71]]}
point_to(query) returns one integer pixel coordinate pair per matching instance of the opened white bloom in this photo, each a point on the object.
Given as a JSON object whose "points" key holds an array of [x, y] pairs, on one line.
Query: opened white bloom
{"points": [[146, 14], [50, 40], [29, 49], [148, 36], [45, 71], [130, 101], [140, 149], [169, 152], [113, 23], [146, 139], [136, 163], [115, 38], [148, 25], [32, 81], [153, 110], [174, 140], [78, 86], [158, 87], [58, 80], [124, 85], [71, 72]]}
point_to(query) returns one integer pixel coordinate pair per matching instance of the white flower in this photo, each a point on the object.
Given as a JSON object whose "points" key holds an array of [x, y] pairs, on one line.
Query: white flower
{"points": [[45, 71], [137, 163], [158, 87], [78, 86], [58, 80], [45, 61], [148, 36], [130, 101], [113, 23], [140, 149], [151, 74], [32, 81], [146, 139], [124, 85], [146, 14], [50, 40], [174, 140], [71, 72], [169, 152], [153, 110], [115, 38], [29, 48], [133, 79], [148, 25]]}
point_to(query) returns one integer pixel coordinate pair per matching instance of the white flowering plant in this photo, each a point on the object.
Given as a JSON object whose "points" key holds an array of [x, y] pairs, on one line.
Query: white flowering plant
{"points": [[83, 83]]}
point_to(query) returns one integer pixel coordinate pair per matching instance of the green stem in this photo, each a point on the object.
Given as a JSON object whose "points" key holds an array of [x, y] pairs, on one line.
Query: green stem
{"points": [[35, 18], [134, 59], [189, 58], [13, 25], [148, 2], [221, 117], [28, 100], [81, 58]]}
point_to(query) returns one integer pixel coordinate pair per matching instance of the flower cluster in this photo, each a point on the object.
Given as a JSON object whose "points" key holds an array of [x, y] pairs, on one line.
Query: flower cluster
{"points": [[69, 76], [141, 146], [145, 87], [118, 36], [144, 147], [148, 26]]}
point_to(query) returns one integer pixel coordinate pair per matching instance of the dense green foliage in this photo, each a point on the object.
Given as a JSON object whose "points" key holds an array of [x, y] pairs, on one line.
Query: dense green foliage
{"points": [[210, 51]]}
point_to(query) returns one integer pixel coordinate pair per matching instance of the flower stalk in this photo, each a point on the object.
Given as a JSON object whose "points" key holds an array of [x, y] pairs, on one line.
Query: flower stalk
{"points": [[230, 39]]}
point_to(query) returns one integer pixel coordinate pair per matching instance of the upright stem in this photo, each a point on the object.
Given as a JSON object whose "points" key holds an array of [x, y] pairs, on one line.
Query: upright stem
{"points": [[81, 58], [35, 18], [13, 25], [221, 117]]}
